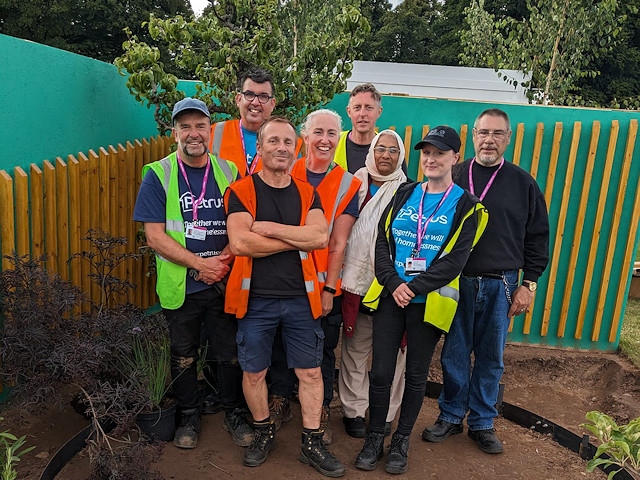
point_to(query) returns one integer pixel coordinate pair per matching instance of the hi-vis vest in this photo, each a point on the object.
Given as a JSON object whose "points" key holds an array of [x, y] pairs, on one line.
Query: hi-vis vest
{"points": [[171, 278], [441, 304], [226, 143], [237, 293], [340, 157], [336, 190]]}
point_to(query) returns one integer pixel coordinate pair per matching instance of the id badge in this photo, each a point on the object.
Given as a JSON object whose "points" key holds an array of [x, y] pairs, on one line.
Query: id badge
{"points": [[196, 233], [413, 266]]}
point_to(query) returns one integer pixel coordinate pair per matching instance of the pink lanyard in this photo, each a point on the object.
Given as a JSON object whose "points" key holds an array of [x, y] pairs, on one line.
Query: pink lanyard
{"points": [[422, 229], [250, 167], [493, 177], [198, 201]]}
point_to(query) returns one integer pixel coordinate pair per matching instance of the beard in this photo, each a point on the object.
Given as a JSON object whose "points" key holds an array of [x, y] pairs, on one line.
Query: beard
{"points": [[194, 150], [487, 160]]}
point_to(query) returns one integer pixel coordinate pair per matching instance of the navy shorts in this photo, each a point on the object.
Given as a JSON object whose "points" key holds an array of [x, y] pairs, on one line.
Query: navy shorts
{"points": [[302, 336]]}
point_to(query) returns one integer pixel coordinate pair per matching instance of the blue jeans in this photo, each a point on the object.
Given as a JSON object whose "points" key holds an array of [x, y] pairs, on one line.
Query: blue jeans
{"points": [[480, 327]]}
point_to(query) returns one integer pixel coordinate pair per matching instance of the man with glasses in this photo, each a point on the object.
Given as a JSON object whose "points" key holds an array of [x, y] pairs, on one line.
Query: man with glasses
{"points": [[235, 140], [516, 238]]}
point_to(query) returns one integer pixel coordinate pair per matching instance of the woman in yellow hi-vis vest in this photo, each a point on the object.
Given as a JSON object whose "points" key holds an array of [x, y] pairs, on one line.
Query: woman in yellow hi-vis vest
{"points": [[425, 236]]}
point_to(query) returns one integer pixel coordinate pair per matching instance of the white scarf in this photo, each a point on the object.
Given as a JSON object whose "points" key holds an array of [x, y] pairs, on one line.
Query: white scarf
{"points": [[358, 271]]}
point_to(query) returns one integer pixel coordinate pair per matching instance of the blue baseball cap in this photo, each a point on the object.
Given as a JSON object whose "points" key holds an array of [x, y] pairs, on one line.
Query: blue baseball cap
{"points": [[189, 103]]}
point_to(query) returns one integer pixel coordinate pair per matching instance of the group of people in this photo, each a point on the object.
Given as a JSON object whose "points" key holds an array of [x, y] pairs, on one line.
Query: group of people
{"points": [[265, 256]]}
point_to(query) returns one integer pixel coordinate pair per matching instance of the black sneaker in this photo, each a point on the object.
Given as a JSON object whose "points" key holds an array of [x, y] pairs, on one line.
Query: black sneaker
{"points": [[259, 449], [355, 427], [235, 422], [315, 453], [486, 440], [186, 435], [371, 452], [398, 458], [441, 430]]}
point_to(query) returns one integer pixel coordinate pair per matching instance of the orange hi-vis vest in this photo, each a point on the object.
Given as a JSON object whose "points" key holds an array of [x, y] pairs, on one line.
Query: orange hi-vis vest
{"points": [[336, 190], [226, 143], [237, 292]]}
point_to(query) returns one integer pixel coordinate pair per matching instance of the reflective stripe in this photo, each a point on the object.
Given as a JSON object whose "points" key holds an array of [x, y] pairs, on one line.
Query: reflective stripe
{"points": [[226, 170], [165, 163], [322, 277], [345, 183], [308, 285], [246, 283], [449, 292], [160, 257], [217, 138], [303, 255], [174, 226]]}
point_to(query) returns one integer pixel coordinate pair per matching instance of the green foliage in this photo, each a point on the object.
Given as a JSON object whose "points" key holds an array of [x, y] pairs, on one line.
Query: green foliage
{"points": [[94, 28], [11, 449], [553, 45], [630, 334], [621, 443], [309, 47]]}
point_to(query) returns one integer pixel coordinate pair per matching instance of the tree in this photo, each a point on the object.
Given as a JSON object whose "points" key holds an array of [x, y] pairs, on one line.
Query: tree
{"points": [[553, 44], [308, 46], [94, 28], [374, 11]]}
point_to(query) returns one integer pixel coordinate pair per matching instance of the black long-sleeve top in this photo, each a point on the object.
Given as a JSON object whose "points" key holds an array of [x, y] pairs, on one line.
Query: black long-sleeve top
{"points": [[517, 235], [443, 269]]}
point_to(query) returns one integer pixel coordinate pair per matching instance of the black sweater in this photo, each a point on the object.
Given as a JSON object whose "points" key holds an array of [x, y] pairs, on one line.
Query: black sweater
{"points": [[517, 235], [443, 269]]}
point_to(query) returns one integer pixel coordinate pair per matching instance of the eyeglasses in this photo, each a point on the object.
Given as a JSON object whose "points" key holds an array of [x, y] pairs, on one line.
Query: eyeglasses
{"points": [[497, 134], [391, 150], [262, 98]]}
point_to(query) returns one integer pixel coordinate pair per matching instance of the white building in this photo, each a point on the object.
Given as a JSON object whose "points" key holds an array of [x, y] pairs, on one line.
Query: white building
{"points": [[437, 81]]}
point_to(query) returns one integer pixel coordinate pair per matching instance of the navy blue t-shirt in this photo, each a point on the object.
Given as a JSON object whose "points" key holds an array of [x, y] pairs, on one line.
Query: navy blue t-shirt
{"points": [[151, 207], [352, 207]]}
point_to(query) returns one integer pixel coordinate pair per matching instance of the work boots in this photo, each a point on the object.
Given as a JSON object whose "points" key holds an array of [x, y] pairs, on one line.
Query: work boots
{"points": [[186, 435], [371, 452], [397, 460], [315, 453], [263, 438], [325, 425], [280, 410], [235, 422]]}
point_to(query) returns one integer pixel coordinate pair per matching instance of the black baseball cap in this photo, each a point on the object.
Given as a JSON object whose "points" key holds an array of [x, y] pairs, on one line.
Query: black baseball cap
{"points": [[442, 137]]}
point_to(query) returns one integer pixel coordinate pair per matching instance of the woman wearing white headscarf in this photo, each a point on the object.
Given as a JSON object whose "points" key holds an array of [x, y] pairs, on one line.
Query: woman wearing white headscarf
{"points": [[380, 178]]}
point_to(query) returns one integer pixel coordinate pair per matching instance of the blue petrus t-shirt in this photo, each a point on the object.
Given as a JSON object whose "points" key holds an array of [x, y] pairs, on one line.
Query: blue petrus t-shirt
{"points": [[151, 207], [250, 141], [405, 227]]}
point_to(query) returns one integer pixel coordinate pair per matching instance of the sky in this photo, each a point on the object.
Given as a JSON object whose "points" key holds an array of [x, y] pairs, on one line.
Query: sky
{"points": [[198, 5]]}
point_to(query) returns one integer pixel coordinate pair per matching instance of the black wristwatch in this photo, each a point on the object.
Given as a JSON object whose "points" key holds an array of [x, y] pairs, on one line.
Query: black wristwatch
{"points": [[332, 291]]}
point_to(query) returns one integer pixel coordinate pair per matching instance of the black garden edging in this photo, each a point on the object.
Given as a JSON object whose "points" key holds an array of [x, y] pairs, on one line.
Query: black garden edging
{"points": [[561, 435], [513, 413]]}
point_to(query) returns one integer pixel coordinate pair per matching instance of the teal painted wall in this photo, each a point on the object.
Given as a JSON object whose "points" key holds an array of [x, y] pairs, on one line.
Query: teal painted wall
{"points": [[56, 103]]}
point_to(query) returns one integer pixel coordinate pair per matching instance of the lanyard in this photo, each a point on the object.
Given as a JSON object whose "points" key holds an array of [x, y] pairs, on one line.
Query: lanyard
{"points": [[422, 229], [489, 183], [251, 166], [198, 201]]}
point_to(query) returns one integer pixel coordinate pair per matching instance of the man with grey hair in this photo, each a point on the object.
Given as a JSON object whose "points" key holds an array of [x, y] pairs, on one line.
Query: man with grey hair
{"points": [[516, 238]]}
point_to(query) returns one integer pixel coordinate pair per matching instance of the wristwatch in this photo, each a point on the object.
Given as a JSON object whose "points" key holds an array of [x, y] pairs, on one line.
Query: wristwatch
{"points": [[532, 286]]}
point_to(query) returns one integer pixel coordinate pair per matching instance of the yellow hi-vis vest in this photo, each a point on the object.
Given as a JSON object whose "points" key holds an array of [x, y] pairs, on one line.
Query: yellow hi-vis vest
{"points": [[441, 304], [340, 156], [171, 281]]}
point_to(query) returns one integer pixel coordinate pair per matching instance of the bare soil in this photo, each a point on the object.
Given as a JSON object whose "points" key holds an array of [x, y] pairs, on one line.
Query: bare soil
{"points": [[559, 385]]}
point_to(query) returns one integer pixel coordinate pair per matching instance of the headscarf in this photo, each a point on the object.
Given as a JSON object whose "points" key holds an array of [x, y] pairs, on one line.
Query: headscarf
{"points": [[358, 272]]}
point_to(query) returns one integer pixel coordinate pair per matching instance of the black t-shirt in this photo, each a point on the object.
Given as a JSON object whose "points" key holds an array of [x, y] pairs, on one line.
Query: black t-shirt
{"points": [[278, 275], [356, 155]]}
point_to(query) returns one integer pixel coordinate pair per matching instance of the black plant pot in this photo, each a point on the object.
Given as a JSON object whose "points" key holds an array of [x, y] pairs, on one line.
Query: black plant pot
{"points": [[159, 425]]}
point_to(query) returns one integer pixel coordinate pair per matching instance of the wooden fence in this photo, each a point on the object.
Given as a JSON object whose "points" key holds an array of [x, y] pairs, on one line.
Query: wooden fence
{"points": [[49, 209]]}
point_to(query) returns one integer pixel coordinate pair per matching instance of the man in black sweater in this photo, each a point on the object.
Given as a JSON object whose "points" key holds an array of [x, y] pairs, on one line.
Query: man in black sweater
{"points": [[517, 237]]}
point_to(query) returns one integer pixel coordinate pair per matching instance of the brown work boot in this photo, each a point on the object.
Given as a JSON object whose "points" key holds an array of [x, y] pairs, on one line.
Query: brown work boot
{"points": [[325, 424], [279, 410]]}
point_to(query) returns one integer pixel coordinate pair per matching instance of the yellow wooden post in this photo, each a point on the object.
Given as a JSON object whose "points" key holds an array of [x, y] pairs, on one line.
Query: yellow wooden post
{"points": [[36, 178], [517, 146], [62, 217], [73, 166], [50, 230], [22, 211], [595, 238], [464, 131], [407, 144], [6, 217], [103, 197], [562, 219]]}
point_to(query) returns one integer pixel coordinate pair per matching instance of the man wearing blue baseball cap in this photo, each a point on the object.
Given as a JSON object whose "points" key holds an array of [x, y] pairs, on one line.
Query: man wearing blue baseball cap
{"points": [[180, 203]]}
